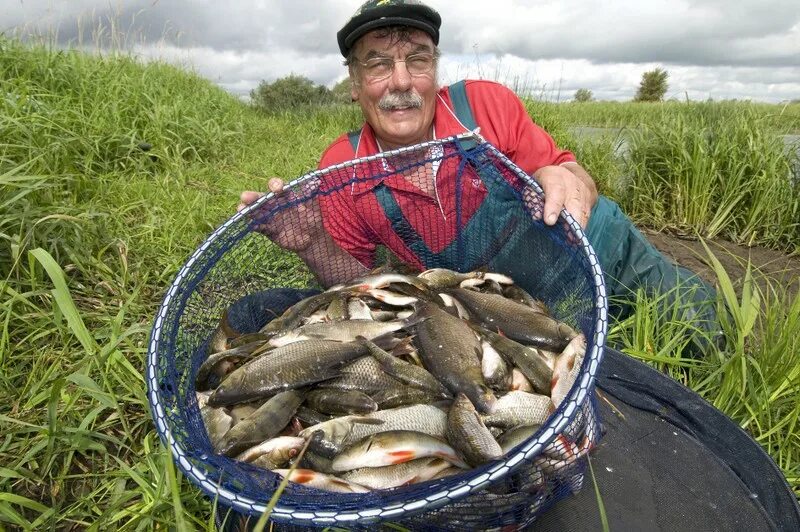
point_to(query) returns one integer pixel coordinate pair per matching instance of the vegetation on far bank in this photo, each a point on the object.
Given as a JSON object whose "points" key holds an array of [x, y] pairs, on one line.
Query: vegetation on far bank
{"points": [[112, 172]]}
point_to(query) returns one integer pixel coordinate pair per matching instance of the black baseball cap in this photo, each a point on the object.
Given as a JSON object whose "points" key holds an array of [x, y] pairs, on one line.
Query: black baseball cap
{"points": [[381, 13]]}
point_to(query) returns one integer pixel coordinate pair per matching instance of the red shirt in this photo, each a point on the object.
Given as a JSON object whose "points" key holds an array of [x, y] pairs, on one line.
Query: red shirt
{"points": [[356, 221]]}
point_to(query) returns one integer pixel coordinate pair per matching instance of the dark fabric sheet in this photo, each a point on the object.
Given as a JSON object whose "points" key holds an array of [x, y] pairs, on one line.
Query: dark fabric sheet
{"points": [[673, 463]]}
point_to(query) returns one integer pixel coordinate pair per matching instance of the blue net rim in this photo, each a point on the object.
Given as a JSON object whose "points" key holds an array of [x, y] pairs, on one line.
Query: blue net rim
{"points": [[467, 483]]}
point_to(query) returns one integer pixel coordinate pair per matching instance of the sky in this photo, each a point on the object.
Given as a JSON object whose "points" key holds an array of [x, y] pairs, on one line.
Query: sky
{"points": [[748, 49]]}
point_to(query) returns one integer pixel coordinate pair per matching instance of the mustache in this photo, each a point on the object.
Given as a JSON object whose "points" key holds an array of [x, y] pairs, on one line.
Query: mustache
{"points": [[400, 100]]}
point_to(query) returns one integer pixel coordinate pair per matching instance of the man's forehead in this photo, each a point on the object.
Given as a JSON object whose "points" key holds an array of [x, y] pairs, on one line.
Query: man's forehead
{"points": [[380, 40]]}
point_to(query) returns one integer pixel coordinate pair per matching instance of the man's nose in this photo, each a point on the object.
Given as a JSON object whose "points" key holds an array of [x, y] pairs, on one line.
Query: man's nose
{"points": [[401, 79]]}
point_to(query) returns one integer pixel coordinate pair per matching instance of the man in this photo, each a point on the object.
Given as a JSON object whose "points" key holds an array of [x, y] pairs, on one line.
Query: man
{"points": [[391, 52]]}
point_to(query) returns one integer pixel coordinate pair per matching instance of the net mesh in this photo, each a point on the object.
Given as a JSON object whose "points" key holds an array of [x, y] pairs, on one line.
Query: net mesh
{"points": [[456, 203]]}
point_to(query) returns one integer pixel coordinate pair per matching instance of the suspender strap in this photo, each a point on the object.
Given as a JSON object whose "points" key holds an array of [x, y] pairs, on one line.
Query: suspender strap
{"points": [[402, 228], [458, 95], [353, 136]]}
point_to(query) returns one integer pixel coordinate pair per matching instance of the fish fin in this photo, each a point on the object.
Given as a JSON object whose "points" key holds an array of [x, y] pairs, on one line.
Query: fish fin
{"points": [[403, 347], [399, 457]]}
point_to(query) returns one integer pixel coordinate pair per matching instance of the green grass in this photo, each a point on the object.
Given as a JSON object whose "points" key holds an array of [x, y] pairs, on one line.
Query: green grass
{"points": [[780, 118], [93, 229]]}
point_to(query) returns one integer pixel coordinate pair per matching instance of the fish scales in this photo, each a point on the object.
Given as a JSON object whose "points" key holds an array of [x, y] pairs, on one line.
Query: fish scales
{"points": [[286, 367], [392, 476], [449, 350], [518, 322]]}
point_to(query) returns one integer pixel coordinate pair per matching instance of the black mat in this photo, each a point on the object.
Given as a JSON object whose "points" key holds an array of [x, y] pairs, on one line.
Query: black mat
{"points": [[673, 462]]}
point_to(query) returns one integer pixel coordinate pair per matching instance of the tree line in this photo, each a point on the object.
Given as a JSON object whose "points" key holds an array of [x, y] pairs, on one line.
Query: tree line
{"points": [[294, 91]]}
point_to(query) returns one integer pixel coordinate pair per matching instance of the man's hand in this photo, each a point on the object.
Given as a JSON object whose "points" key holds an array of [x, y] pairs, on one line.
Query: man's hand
{"points": [[292, 229], [300, 229], [567, 187]]}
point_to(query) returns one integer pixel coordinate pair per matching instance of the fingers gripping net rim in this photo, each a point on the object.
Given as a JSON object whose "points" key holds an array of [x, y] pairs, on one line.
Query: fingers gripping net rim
{"points": [[223, 269]]}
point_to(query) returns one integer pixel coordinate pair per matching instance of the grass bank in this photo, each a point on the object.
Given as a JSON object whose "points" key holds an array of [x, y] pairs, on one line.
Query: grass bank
{"points": [[111, 173]]}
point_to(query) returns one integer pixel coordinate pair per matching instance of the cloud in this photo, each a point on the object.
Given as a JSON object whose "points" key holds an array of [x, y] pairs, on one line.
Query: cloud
{"points": [[746, 49]]}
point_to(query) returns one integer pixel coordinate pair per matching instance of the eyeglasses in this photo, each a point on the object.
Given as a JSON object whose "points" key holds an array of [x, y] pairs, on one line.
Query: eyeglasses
{"points": [[379, 68]]}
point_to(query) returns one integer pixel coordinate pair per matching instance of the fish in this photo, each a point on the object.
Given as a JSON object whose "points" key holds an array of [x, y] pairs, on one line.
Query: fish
{"points": [[243, 411], [531, 361], [394, 447], [404, 372], [428, 419], [309, 417], [274, 452], [519, 295], [341, 331], [211, 364], [358, 310], [286, 367], [364, 374], [340, 402], [261, 425], [439, 278], [383, 280], [494, 368], [520, 382], [567, 369], [223, 332], [312, 479], [343, 431], [520, 408], [293, 316], [452, 303], [516, 436], [405, 395], [216, 420], [379, 478], [311, 460], [467, 432], [449, 350], [516, 321]]}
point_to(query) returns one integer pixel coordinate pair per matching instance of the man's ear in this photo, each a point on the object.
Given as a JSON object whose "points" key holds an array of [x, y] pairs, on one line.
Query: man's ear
{"points": [[354, 87]]}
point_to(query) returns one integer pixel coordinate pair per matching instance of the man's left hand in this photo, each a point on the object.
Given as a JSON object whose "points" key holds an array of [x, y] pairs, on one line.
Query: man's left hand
{"points": [[567, 187]]}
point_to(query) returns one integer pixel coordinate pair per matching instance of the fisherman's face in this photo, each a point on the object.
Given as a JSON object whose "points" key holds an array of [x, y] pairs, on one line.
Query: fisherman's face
{"points": [[399, 107]]}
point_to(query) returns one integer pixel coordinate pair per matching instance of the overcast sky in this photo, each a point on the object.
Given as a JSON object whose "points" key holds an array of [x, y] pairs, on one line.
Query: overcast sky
{"points": [[711, 48]]}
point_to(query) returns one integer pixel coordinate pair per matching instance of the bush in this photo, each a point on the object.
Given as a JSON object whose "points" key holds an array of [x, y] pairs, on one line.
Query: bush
{"points": [[291, 92]]}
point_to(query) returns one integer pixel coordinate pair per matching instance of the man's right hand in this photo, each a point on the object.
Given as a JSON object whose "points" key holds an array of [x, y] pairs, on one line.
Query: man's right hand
{"points": [[299, 228], [292, 229]]}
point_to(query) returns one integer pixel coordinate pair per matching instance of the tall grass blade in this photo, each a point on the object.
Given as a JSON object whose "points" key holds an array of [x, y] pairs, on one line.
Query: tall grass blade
{"points": [[64, 299]]}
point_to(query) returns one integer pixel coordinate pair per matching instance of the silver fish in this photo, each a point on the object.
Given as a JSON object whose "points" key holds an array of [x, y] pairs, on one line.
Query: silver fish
{"points": [[341, 331], [494, 368], [216, 420], [274, 452], [520, 408], [364, 374], [312, 479], [568, 367], [379, 478], [394, 447], [515, 436], [532, 362]]}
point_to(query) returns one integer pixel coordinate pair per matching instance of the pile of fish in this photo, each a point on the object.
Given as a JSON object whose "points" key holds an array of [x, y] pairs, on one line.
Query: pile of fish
{"points": [[393, 379]]}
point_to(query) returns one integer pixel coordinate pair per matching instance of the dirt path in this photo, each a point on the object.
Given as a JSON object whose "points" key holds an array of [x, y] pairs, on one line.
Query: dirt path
{"points": [[691, 254]]}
